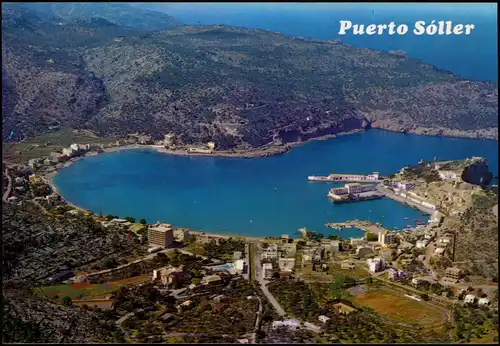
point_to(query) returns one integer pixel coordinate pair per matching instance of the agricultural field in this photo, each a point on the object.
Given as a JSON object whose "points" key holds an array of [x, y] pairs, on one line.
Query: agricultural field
{"points": [[43, 145], [84, 290], [334, 271], [400, 309]]}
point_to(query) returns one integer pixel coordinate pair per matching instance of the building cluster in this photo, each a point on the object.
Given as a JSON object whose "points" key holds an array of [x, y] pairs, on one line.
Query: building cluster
{"points": [[73, 150], [352, 189], [376, 264], [398, 185], [210, 148], [355, 177]]}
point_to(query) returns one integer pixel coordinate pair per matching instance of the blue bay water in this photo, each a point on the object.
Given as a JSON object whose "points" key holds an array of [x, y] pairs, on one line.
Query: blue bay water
{"points": [[258, 196]]}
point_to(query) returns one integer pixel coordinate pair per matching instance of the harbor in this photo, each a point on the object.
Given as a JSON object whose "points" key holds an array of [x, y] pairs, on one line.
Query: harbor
{"points": [[354, 192], [354, 178]]}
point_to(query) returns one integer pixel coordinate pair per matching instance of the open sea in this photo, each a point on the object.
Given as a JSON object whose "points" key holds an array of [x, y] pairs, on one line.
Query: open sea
{"points": [[271, 196]]}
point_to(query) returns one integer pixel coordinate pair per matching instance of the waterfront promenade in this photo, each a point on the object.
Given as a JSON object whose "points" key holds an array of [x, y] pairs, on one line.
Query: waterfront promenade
{"points": [[388, 193]]}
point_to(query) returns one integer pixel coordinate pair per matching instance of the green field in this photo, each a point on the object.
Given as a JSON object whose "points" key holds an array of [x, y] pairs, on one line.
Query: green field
{"points": [[21, 152]]}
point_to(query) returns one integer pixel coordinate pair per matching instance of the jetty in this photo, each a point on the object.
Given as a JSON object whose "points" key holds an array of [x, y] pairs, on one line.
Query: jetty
{"points": [[353, 178], [363, 225]]}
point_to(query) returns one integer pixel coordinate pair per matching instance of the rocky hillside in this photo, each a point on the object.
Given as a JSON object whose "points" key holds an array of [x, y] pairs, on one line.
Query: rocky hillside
{"points": [[239, 87], [117, 13]]}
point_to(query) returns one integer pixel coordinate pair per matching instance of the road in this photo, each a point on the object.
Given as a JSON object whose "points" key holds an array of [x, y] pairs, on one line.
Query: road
{"points": [[9, 186], [388, 193], [263, 285]]}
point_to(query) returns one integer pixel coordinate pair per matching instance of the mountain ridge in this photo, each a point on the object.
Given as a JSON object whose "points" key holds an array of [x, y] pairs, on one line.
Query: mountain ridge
{"points": [[244, 88]]}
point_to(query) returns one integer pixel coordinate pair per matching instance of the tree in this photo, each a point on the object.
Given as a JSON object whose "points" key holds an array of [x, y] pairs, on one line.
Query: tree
{"points": [[425, 296], [333, 237], [130, 219], [143, 222], [66, 301], [195, 281]]}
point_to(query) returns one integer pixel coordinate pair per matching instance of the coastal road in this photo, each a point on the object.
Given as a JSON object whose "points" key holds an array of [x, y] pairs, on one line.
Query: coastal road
{"points": [[388, 193], [9, 186]]}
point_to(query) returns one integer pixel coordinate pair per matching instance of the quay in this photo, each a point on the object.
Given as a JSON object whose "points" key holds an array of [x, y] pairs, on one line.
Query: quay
{"points": [[354, 178], [365, 226]]}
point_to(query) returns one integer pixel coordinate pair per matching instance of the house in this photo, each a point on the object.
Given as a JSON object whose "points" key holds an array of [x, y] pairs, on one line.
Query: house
{"points": [[358, 241], [75, 147], [347, 264], [289, 249], [443, 241], [436, 217], [447, 175], [271, 252], [286, 264], [335, 246], [483, 302], [184, 305], [211, 279], [289, 324], [469, 299], [421, 258], [181, 234], [219, 298], [363, 250], [318, 254], [344, 308], [439, 252], [375, 264], [239, 265], [284, 238], [167, 275], [237, 255], [267, 269], [393, 274], [385, 237], [453, 274], [323, 318], [416, 282], [404, 245], [422, 243]]}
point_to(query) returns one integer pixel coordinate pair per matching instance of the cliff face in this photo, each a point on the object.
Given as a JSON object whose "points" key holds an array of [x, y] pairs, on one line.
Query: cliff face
{"points": [[238, 87], [478, 173]]}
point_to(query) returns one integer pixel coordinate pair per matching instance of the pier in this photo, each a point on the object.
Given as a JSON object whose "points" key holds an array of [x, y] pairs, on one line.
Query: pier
{"points": [[353, 178], [365, 226]]}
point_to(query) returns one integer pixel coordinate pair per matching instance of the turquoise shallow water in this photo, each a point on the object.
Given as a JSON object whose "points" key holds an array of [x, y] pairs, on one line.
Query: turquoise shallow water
{"points": [[260, 196]]}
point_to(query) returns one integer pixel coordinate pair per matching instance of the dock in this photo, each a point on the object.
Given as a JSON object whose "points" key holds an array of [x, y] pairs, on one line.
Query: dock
{"points": [[365, 226], [353, 178]]}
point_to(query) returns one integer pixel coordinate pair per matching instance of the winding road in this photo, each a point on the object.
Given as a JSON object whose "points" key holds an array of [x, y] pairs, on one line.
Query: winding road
{"points": [[9, 186]]}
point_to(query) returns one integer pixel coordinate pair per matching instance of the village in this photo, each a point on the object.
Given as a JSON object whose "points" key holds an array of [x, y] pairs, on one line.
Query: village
{"points": [[194, 278]]}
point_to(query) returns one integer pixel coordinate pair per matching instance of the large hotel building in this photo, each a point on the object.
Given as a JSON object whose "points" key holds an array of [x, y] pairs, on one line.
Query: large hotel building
{"points": [[161, 235]]}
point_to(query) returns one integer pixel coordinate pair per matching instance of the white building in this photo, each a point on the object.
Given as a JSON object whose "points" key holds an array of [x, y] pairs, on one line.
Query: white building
{"points": [[267, 270], [385, 237], [335, 246], [483, 302], [444, 241], [323, 318], [439, 252], [416, 281], [68, 151], [75, 147], [469, 299], [239, 265], [286, 264], [436, 217], [271, 252], [291, 324], [447, 175], [422, 243], [376, 264]]}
